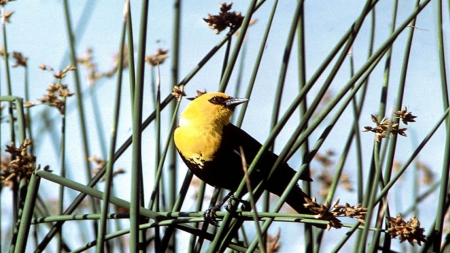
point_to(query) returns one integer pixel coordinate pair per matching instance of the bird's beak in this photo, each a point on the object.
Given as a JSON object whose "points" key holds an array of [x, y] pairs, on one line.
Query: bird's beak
{"points": [[233, 102]]}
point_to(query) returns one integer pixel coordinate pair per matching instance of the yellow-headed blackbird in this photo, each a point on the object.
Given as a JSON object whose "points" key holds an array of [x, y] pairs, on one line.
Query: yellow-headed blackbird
{"points": [[210, 146]]}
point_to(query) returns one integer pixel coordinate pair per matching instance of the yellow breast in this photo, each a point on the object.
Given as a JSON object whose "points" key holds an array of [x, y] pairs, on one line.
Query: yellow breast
{"points": [[199, 133], [198, 144]]}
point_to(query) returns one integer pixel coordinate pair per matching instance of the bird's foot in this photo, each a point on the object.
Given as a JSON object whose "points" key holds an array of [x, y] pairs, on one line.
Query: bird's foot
{"points": [[229, 207], [210, 215]]}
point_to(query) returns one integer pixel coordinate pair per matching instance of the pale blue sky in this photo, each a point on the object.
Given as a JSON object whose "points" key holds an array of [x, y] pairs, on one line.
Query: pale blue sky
{"points": [[37, 29]]}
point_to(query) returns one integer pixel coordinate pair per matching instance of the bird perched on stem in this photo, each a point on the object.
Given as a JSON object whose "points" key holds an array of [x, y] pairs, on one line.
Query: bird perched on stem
{"points": [[210, 146]]}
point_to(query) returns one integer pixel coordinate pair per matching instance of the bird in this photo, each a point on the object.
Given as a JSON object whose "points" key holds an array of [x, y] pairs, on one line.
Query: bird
{"points": [[210, 147]]}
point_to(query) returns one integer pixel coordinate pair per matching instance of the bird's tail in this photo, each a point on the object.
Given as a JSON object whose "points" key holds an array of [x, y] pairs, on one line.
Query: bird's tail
{"points": [[296, 199]]}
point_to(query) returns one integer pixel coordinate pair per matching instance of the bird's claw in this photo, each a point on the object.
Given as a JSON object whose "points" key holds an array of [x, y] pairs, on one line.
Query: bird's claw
{"points": [[210, 215], [229, 207]]}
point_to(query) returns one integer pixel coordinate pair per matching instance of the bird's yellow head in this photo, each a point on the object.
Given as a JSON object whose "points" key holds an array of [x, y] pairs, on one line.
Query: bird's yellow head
{"points": [[211, 108]]}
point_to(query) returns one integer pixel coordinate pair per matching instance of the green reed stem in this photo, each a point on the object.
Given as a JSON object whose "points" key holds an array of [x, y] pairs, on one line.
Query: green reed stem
{"points": [[157, 194], [305, 148], [161, 160], [137, 238], [130, 45], [62, 165], [96, 193], [198, 207], [8, 83], [80, 104], [285, 63], [259, 56], [259, 235], [177, 206], [25, 222], [110, 164], [238, 45], [444, 188], [174, 76]]}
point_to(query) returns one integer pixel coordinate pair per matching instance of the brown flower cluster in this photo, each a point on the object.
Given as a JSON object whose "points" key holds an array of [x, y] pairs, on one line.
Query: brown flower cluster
{"points": [[62, 73], [272, 243], [346, 182], [20, 59], [45, 67], [323, 212], [405, 116], [178, 92], [116, 63], [326, 181], [384, 127], [22, 165], [157, 58], [347, 210], [198, 94], [87, 62], [56, 92], [224, 19], [407, 230], [326, 177], [6, 15], [94, 74], [427, 177], [102, 163], [55, 95], [325, 159]]}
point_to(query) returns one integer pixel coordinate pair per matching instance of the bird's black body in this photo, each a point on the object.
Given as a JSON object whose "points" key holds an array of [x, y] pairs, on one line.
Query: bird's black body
{"points": [[225, 171], [210, 146]]}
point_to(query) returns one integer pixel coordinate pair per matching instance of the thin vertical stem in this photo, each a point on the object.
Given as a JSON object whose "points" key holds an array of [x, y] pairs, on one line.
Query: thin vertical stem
{"points": [[130, 45], [98, 121], [62, 165], [175, 65], [301, 58], [10, 112], [110, 164], [80, 105], [25, 223], [285, 63], [444, 187], [28, 120], [255, 70], [243, 30], [8, 77], [158, 182], [137, 238]]}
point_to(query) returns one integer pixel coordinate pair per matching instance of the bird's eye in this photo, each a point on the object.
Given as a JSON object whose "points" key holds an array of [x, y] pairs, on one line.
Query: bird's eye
{"points": [[217, 100]]}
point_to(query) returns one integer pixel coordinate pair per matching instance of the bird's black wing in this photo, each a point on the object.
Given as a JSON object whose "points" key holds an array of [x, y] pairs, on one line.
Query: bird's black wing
{"points": [[235, 137]]}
